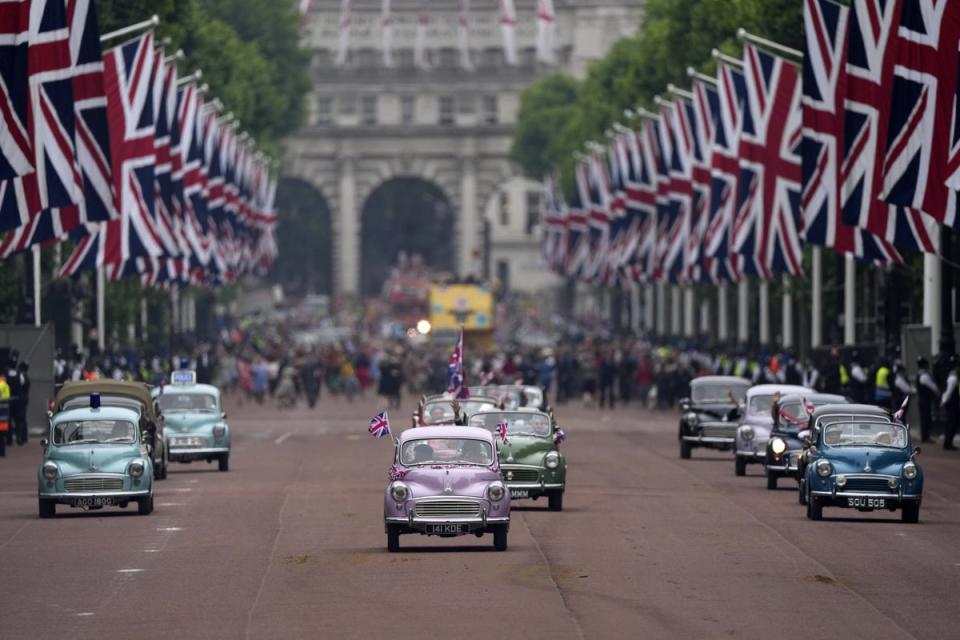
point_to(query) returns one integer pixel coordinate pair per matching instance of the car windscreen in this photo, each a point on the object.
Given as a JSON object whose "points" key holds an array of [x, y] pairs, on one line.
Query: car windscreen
{"points": [[89, 431], [172, 402], [865, 434], [446, 451], [793, 417], [533, 396], [518, 423], [717, 393], [760, 405]]}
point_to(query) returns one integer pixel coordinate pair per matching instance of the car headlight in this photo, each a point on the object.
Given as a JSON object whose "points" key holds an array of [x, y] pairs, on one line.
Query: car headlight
{"points": [[136, 468], [219, 430], [909, 471], [552, 460], [778, 445], [690, 417], [399, 491], [746, 432], [824, 468], [893, 483], [50, 470], [496, 491], [841, 481]]}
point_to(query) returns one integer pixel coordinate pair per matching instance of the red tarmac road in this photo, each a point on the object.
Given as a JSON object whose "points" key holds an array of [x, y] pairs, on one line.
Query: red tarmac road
{"points": [[290, 544]]}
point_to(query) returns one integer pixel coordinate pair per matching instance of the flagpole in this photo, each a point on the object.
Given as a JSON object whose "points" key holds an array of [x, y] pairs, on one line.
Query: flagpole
{"points": [[722, 332], [743, 310], [816, 298], [743, 34], [36, 285], [931, 298], [764, 312], [787, 311], [849, 301], [101, 309], [149, 23]]}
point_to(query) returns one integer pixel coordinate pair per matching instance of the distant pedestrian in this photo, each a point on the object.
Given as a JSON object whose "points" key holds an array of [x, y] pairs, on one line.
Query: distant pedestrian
{"points": [[928, 393], [950, 402]]}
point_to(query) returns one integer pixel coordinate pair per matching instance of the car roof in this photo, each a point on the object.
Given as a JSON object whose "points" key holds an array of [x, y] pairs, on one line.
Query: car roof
{"points": [[871, 410], [136, 390], [103, 413], [445, 431], [763, 389], [186, 388], [719, 380], [817, 398]]}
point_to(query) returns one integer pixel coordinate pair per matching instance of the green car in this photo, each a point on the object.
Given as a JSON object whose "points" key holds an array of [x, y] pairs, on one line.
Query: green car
{"points": [[95, 456], [194, 421], [530, 458]]}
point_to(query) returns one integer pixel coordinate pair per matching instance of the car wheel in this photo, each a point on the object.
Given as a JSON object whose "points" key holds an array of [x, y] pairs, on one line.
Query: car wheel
{"points": [[814, 509], [224, 462], [740, 466], [910, 512], [555, 500], [801, 494], [771, 481], [47, 508], [685, 449], [500, 538], [393, 538], [145, 506], [161, 473]]}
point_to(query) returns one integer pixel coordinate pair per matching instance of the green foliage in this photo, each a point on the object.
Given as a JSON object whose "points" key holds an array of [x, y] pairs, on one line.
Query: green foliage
{"points": [[676, 34]]}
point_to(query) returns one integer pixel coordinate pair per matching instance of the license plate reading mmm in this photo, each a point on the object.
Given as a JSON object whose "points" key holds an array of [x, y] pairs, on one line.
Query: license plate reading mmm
{"points": [[870, 503], [447, 529], [519, 493], [93, 502]]}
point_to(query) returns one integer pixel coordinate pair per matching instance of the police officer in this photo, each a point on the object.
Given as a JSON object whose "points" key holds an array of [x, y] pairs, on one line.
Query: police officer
{"points": [[928, 393], [882, 391], [13, 380], [950, 401], [4, 415]]}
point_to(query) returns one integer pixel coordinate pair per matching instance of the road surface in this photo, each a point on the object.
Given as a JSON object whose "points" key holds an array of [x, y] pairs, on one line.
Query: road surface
{"points": [[290, 544]]}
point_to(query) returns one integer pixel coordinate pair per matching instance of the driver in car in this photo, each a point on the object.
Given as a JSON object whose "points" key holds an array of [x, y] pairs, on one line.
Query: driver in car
{"points": [[473, 452]]}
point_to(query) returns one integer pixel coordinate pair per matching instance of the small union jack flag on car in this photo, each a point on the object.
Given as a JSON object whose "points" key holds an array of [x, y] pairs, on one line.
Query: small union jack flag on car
{"points": [[502, 430], [558, 435], [380, 425]]}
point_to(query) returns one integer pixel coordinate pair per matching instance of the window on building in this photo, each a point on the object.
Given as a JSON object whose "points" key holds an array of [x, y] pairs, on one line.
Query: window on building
{"points": [[491, 110], [348, 104], [446, 110], [533, 211], [324, 113], [504, 209], [369, 109], [503, 274], [407, 109], [466, 104]]}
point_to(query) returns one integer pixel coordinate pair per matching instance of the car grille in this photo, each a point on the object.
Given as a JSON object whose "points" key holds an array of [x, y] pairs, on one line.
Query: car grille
{"points": [[448, 508], [794, 459], [85, 485], [867, 485], [720, 432], [521, 475]]}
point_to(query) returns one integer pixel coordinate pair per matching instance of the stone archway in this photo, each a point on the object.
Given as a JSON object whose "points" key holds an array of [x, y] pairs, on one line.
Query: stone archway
{"points": [[304, 237], [408, 215]]}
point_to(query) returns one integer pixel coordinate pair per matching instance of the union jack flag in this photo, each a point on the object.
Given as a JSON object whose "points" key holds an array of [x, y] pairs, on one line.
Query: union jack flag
{"points": [[600, 215], [921, 156], [559, 435], [677, 138], [47, 140], [502, 430], [396, 473], [824, 92], [768, 223], [455, 376], [380, 425], [641, 205], [722, 263], [869, 67], [705, 114]]}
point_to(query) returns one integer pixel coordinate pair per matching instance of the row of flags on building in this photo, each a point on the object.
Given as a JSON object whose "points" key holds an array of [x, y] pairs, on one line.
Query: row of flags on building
{"points": [[857, 148], [110, 150], [507, 16]]}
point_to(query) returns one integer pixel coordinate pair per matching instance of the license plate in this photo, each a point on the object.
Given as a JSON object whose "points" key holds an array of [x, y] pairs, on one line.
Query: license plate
{"points": [[519, 493], [93, 502], [447, 529], [871, 503]]}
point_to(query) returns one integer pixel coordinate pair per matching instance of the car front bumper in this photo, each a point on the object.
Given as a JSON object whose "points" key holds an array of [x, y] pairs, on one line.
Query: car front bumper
{"points": [[787, 465], [471, 525], [843, 499], [117, 496], [532, 490], [709, 441], [193, 453], [752, 455]]}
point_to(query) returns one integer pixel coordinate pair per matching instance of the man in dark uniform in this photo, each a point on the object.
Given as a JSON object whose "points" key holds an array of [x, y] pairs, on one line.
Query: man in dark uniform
{"points": [[950, 401], [13, 380], [20, 417], [927, 394]]}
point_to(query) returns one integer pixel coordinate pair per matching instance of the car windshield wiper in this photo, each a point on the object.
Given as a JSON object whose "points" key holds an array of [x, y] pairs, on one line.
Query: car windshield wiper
{"points": [[87, 441], [126, 439]]}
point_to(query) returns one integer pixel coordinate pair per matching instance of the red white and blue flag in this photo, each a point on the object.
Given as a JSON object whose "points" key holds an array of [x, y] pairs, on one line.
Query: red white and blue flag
{"points": [[559, 435], [899, 413], [380, 425], [455, 375], [502, 430]]}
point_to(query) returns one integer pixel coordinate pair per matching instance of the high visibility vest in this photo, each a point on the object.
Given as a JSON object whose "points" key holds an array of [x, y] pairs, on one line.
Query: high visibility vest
{"points": [[844, 377], [4, 395], [882, 379]]}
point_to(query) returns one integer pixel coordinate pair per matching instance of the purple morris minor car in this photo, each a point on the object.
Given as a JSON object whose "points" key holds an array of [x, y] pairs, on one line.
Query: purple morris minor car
{"points": [[445, 481]]}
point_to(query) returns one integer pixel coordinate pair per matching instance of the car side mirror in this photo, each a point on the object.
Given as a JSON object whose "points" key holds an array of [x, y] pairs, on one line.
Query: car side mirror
{"points": [[223, 415], [685, 404], [44, 443], [915, 453]]}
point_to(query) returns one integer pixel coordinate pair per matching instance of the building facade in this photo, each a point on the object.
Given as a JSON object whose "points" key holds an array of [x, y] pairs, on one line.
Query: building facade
{"points": [[435, 121]]}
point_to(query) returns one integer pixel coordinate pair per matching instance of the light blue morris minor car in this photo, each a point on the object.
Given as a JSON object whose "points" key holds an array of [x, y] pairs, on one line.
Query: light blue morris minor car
{"points": [[864, 464], [194, 421], [95, 457]]}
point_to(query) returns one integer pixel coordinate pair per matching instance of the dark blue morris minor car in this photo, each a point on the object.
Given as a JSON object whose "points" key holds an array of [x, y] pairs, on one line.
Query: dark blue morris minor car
{"points": [[866, 464]]}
